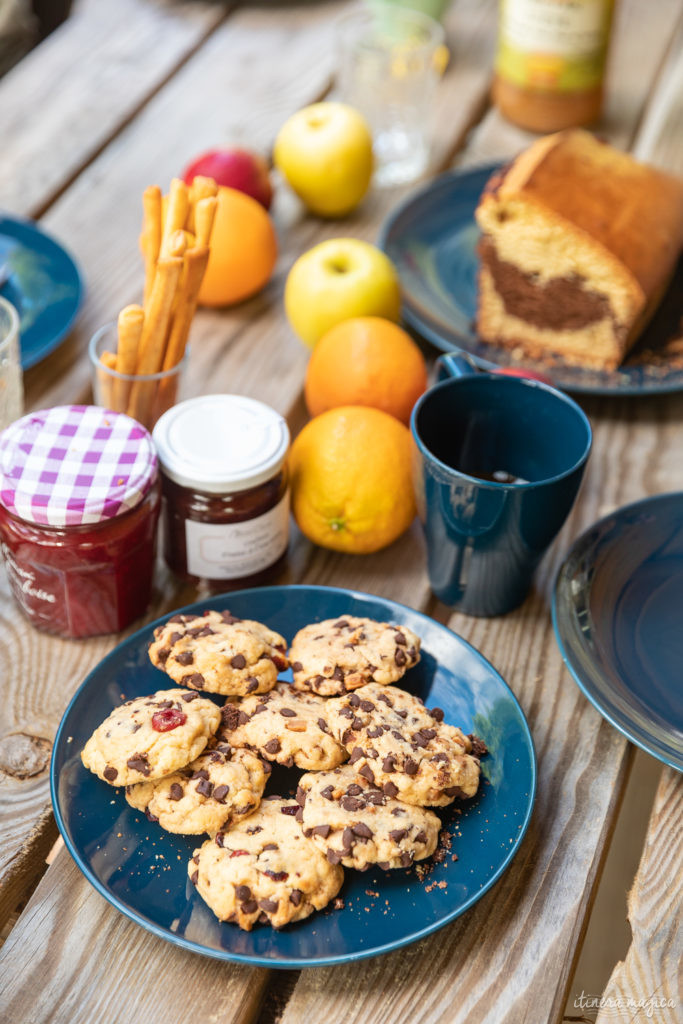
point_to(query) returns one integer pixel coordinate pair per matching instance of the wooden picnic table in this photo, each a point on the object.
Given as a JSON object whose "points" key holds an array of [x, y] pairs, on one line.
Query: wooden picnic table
{"points": [[120, 96]]}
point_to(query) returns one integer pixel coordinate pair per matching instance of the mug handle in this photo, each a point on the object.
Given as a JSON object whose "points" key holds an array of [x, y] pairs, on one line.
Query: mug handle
{"points": [[455, 364]]}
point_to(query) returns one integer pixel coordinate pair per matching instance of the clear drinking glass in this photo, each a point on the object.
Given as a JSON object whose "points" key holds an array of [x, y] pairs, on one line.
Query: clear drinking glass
{"points": [[145, 397], [390, 66], [11, 383]]}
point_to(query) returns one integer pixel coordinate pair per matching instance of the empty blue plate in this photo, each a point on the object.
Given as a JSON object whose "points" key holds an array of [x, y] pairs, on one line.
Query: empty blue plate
{"points": [[617, 611], [142, 870], [432, 238], [42, 282]]}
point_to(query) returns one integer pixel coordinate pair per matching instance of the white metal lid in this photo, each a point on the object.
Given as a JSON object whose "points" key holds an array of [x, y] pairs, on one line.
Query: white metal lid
{"points": [[221, 443]]}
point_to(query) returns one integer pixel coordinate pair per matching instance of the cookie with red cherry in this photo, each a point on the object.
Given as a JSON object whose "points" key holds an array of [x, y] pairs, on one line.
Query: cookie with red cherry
{"points": [[149, 737]]}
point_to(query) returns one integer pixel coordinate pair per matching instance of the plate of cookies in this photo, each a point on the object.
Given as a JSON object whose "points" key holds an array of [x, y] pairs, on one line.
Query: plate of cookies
{"points": [[293, 776]]}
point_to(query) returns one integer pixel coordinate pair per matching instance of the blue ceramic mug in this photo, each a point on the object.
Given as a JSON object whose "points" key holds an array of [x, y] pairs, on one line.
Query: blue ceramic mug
{"points": [[498, 461]]}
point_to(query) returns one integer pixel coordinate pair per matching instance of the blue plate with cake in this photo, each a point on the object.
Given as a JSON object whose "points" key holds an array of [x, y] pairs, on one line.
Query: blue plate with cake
{"points": [[142, 870], [569, 265]]}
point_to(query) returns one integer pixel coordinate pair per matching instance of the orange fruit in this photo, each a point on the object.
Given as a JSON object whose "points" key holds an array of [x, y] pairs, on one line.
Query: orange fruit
{"points": [[243, 250], [366, 361], [351, 479]]}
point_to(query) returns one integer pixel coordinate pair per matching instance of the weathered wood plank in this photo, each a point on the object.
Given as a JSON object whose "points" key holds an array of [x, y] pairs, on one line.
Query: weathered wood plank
{"points": [[64, 101], [99, 966], [648, 982]]}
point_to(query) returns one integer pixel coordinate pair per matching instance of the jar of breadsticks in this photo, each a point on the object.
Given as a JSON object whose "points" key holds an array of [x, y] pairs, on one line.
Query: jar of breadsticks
{"points": [[139, 362]]}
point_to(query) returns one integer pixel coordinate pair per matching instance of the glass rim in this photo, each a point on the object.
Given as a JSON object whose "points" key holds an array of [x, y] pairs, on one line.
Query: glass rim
{"points": [[368, 15], [130, 378], [14, 322]]}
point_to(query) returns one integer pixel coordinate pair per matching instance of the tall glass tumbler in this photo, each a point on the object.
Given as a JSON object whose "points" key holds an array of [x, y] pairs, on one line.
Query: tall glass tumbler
{"points": [[390, 64], [11, 383]]}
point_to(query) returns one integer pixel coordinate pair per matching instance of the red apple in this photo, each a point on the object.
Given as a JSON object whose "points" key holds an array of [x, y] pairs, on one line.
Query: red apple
{"points": [[234, 168]]}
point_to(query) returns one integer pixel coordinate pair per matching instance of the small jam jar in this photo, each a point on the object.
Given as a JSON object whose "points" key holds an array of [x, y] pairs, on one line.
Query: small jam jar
{"points": [[225, 488], [79, 505]]}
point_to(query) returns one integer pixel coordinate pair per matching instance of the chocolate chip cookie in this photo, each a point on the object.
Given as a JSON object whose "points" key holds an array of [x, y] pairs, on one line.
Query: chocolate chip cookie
{"points": [[219, 653], [356, 824], [217, 789], [338, 655], [284, 726], [264, 869], [396, 743], [150, 737]]}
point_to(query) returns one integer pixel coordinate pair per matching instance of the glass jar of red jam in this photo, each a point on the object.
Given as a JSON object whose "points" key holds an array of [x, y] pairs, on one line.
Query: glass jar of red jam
{"points": [[225, 489], [79, 505]]}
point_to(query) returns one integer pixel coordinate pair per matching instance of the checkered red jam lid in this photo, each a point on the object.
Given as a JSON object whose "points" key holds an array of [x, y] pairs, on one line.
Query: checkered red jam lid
{"points": [[74, 465]]}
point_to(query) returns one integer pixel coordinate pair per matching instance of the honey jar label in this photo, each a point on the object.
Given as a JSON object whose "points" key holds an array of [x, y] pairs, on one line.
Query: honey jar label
{"points": [[557, 45], [228, 551]]}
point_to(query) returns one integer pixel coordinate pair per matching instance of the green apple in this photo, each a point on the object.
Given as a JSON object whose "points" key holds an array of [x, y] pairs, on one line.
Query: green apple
{"points": [[325, 153], [337, 280]]}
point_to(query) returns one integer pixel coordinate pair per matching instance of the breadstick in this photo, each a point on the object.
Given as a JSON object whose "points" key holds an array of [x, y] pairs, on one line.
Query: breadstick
{"points": [[184, 310], [176, 243], [204, 214], [176, 213], [201, 188], [154, 332], [130, 323], [193, 272], [150, 239], [104, 380]]}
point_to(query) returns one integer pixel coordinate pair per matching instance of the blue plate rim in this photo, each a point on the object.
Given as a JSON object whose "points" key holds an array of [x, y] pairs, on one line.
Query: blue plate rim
{"points": [[575, 672], [430, 331], [261, 961], [49, 347]]}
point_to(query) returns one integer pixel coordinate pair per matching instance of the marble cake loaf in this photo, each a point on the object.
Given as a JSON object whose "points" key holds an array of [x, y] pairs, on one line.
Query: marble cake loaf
{"points": [[579, 241]]}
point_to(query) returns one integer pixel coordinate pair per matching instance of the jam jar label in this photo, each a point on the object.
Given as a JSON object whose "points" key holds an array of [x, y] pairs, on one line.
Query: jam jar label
{"points": [[227, 551]]}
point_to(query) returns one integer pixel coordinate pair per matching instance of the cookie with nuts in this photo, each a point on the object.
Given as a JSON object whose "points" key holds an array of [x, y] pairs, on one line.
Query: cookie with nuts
{"points": [[284, 726], [338, 655], [219, 788], [264, 870], [356, 824], [149, 737], [396, 743], [219, 653]]}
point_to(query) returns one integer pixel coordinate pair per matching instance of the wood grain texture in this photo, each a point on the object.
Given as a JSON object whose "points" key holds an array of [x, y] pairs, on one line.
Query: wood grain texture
{"points": [[66, 99], [99, 966], [652, 968]]}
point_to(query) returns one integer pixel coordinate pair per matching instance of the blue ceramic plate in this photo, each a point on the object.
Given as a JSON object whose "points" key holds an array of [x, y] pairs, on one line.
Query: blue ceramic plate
{"points": [[432, 238], [142, 870], [617, 617], [43, 284]]}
